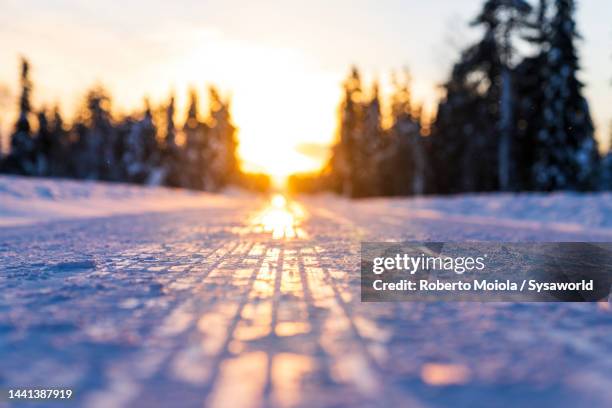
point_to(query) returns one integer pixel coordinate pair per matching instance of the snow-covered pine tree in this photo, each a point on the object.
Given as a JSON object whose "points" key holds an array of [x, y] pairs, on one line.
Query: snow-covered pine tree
{"points": [[566, 151], [21, 159]]}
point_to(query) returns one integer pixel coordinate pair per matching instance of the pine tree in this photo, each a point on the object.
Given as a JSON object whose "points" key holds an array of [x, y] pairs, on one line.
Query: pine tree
{"points": [[79, 163], [60, 159], [344, 159], [195, 145], [151, 156], [605, 167], [464, 127], [501, 18], [366, 149], [43, 145], [221, 158], [407, 155], [98, 160], [476, 117], [139, 152], [171, 153], [170, 138], [133, 151], [22, 156], [530, 75], [566, 152], [4, 101]]}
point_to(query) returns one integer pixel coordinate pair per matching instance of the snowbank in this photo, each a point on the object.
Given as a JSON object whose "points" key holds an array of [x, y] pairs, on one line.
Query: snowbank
{"points": [[25, 200], [562, 209]]}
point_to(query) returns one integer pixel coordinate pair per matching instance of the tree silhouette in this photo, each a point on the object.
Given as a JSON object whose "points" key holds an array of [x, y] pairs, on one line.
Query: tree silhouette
{"points": [[566, 155]]}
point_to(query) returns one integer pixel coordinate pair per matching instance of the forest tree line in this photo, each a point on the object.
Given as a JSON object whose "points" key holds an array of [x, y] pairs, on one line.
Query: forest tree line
{"points": [[508, 121], [145, 147], [513, 118]]}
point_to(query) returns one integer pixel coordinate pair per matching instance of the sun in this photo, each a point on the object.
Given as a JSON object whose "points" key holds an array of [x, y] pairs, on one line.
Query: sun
{"points": [[280, 99]]}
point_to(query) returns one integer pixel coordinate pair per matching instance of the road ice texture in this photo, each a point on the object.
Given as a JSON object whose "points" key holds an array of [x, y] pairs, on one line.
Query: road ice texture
{"points": [[252, 304]]}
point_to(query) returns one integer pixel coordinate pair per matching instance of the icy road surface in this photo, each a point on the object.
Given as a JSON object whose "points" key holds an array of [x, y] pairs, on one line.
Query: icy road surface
{"points": [[256, 303]]}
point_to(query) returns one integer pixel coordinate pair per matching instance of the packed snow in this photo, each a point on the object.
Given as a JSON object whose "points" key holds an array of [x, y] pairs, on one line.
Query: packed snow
{"points": [[562, 209], [131, 311], [588, 214], [25, 200]]}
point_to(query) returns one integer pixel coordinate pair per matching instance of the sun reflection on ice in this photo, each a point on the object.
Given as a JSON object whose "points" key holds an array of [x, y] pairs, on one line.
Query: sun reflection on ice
{"points": [[281, 218]]}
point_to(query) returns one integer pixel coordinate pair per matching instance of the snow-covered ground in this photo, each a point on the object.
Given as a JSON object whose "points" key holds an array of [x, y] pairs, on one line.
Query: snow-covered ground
{"points": [[227, 300], [589, 210], [587, 214], [25, 200]]}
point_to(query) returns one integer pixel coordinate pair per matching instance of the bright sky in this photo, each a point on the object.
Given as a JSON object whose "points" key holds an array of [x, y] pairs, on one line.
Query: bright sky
{"points": [[282, 60]]}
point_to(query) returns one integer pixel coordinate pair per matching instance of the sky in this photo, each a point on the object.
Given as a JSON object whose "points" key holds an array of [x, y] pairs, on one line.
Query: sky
{"points": [[282, 62]]}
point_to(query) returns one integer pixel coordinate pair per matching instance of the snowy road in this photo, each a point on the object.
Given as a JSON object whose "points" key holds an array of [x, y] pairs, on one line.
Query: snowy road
{"points": [[256, 303]]}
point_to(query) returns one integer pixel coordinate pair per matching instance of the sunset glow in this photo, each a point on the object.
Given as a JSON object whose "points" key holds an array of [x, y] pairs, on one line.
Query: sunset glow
{"points": [[283, 73], [289, 203], [280, 99], [281, 218]]}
